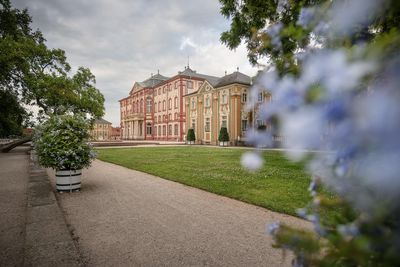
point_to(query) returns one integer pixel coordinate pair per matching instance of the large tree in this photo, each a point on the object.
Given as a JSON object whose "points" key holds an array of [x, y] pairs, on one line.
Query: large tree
{"points": [[38, 75]]}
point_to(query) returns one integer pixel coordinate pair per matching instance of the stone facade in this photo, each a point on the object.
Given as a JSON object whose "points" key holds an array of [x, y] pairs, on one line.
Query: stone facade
{"points": [[167, 107], [101, 131], [155, 110]]}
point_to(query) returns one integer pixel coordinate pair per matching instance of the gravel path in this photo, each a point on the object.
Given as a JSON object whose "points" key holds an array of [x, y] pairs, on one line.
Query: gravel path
{"points": [[128, 218]]}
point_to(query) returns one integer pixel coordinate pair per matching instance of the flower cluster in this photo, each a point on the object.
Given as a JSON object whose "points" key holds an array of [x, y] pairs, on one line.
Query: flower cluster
{"points": [[344, 104], [62, 143]]}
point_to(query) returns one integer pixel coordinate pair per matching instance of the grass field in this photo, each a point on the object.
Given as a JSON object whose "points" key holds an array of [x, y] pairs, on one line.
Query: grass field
{"points": [[280, 185]]}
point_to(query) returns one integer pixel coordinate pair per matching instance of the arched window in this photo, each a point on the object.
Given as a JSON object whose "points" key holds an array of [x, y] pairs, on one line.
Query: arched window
{"points": [[169, 103], [159, 106], [163, 105], [176, 102], [148, 105], [137, 106], [141, 105], [159, 118]]}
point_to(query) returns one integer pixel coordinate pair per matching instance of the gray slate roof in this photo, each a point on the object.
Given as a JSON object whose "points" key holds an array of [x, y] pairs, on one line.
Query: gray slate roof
{"points": [[153, 80], [236, 77], [101, 121], [192, 73]]}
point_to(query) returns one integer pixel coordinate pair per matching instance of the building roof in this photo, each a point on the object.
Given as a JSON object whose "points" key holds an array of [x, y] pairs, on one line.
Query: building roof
{"points": [[101, 121], [236, 77], [192, 73], [153, 80]]}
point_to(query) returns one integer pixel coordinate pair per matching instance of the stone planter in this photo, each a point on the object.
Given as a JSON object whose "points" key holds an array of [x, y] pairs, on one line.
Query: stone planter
{"points": [[223, 143], [68, 180]]}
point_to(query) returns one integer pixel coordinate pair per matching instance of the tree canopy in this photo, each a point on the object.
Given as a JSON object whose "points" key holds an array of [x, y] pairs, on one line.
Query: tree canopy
{"points": [[278, 29], [40, 76]]}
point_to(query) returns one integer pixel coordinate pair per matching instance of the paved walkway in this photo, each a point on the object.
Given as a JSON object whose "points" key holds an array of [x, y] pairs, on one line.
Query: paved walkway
{"points": [[13, 199], [33, 231], [127, 218]]}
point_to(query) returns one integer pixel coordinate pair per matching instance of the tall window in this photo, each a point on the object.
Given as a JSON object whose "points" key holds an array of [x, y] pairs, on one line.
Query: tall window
{"points": [[148, 105], [189, 84], [176, 84], [207, 125], [137, 106], [223, 121], [193, 103], [244, 125], [159, 130], [141, 106], [148, 128], [170, 129], [224, 99], [176, 102], [170, 103], [155, 130], [207, 104], [170, 117], [176, 129], [163, 105], [244, 97], [159, 91], [159, 119], [164, 130], [159, 106], [260, 97]]}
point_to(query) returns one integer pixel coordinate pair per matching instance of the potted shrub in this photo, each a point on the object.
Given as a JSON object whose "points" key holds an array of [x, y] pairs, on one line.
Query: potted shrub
{"points": [[62, 143], [223, 137], [191, 137]]}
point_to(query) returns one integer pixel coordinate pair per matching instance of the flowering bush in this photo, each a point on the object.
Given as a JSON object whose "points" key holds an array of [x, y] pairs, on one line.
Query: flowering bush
{"points": [[344, 101], [62, 143]]}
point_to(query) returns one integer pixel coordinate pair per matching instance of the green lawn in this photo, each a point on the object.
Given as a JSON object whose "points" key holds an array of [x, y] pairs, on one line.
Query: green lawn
{"points": [[280, 185]]}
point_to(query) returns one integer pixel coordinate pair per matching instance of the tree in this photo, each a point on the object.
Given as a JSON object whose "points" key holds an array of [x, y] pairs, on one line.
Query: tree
{"points": [[223, 136], [12, 115], [190, 137], [41, 76]]}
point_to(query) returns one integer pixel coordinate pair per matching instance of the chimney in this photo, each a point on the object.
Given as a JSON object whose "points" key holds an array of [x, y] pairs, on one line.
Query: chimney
{"points": [[225, 73], [237, 69]]}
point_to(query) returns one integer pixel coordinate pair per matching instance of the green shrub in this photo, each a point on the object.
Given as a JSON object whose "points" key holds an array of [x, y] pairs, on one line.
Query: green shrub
{"points": [[62, 143], [190, 135], [223, 135]]}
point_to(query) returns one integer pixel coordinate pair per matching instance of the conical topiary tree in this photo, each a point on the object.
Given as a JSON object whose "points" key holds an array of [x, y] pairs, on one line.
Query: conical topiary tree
{"points": [[223, 137], [191, 137]]}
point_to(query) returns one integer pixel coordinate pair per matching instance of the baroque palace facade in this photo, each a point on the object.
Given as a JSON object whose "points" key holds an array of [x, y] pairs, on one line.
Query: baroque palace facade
{"points": [[162, 108]]}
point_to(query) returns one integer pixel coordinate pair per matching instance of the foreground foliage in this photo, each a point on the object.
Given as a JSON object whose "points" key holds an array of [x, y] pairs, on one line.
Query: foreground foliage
{"points": [[335, 83]]}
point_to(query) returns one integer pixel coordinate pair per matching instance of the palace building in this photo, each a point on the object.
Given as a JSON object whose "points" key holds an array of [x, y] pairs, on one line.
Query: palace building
{"points": [[101, 131], [162, 108]]}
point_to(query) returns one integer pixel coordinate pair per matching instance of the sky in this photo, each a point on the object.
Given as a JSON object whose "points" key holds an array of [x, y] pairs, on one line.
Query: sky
{"points": [[124, 41]]}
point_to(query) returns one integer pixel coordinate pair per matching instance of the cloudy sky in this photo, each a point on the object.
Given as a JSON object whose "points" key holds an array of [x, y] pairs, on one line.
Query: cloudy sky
{"points": [[124, 41]]}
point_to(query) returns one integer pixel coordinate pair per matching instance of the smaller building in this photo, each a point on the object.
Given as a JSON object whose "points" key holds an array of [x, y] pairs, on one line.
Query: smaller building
{"points": [[115, 133], [101, 131]]}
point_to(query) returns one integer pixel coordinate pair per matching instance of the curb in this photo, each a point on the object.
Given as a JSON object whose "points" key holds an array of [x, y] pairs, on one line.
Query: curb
{"points": [[48, 241]]}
